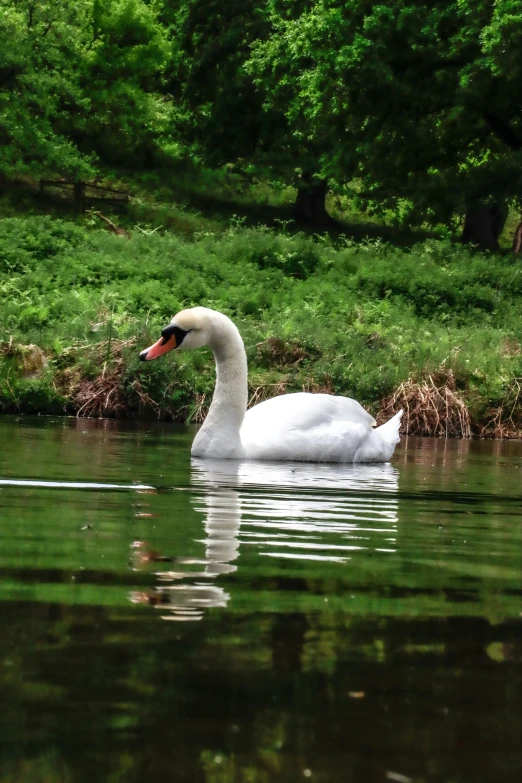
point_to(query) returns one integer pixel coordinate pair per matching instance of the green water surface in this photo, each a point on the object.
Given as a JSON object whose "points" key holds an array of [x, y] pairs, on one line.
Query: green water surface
{"points": [[169, 620]]}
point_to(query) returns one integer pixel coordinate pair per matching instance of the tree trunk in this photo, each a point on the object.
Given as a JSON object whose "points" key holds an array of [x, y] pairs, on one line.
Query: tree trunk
{"points": [[288, 640], [310, 201], [517, 239], [483, 226]]}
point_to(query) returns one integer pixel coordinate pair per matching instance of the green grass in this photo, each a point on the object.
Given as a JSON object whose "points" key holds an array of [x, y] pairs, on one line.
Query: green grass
{"points": [[355, 318]]}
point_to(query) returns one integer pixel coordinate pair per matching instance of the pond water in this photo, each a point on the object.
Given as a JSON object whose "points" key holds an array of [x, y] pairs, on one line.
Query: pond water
{"points": [[169, 620]]}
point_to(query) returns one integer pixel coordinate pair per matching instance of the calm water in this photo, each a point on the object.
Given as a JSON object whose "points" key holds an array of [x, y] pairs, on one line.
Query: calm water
{"points": [[163, 620]]}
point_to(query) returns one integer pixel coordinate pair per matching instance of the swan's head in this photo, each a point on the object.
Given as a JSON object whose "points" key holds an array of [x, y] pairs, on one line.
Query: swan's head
{"points": [[188, 329]]}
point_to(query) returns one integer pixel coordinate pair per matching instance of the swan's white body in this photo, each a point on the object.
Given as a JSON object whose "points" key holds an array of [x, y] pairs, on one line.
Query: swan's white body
{"points": [[302, 427]]}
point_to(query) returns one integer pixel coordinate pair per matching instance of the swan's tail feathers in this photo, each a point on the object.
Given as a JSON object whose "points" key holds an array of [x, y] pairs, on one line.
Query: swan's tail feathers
{"points": [[380, 444], [389, 431]]}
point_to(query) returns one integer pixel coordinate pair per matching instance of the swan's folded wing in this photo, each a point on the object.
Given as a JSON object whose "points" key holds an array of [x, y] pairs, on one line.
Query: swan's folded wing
{"points": [[305, 411], [306, 427]]}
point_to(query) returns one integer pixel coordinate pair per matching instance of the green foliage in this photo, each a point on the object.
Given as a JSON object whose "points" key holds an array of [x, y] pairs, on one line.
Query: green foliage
{"points": [[419, 100], [357, 319], [25, 242], [218, 114], [78, 79], [408, 107], [121, 81], [40, 44], [296, 256]]}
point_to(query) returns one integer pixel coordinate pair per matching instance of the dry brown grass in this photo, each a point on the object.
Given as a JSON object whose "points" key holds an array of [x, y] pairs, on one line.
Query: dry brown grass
{"points": [[510, 347], [318, 387], [432, 407], [107, 395], [275, 351], [505, 419], [30, 360], [103, 396], [265, 392], [197, 412]]}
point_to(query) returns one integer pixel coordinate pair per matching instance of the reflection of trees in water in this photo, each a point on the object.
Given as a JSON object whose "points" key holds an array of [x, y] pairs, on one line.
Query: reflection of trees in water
{"points": [[483, 461], [459, 512], [288, 682], [234, 699], [290, 510]]}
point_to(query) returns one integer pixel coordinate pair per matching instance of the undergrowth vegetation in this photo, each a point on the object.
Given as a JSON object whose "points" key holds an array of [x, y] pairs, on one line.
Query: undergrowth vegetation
{"points": [[435, 329]]}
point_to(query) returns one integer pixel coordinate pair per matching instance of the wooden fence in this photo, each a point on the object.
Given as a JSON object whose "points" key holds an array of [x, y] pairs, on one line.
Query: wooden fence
{"points": [[83, 194]]}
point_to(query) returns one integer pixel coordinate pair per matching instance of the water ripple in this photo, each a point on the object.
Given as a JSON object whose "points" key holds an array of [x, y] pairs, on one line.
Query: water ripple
{"points": [[290, 511], [69, 484]]}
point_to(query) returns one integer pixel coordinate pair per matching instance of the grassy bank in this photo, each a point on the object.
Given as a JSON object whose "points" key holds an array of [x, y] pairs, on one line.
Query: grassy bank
{"points": [[435, 329]]}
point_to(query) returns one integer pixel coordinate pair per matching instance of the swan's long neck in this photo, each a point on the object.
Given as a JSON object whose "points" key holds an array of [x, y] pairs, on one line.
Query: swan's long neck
{"points": [[219, 436]]}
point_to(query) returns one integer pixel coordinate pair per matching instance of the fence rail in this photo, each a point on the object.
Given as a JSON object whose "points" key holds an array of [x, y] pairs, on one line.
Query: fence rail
{"points": [[81, 195]]}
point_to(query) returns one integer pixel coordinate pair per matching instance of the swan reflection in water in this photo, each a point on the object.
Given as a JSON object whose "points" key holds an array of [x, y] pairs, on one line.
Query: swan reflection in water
{"points": [[298, 511]]}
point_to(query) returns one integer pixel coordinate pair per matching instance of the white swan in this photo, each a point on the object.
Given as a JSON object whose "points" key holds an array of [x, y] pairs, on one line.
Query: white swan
{"points": [[301, 426]]}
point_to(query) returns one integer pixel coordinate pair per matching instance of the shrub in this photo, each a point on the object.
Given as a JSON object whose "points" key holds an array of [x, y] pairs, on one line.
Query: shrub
{"points": [[358, 320]]}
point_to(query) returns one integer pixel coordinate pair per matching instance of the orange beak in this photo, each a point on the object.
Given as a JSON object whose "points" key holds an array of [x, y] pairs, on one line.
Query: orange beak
{"points": [[158, 349]]}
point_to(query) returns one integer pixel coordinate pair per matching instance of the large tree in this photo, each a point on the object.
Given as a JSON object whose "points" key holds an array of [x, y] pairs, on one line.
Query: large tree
{"points": [[77, 79], [419, 101], [218, 110], [121, 79], [223, 114]]}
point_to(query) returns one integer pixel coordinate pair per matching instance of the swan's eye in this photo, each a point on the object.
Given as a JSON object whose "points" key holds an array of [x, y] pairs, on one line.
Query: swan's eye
{"points": [[176, 332]]}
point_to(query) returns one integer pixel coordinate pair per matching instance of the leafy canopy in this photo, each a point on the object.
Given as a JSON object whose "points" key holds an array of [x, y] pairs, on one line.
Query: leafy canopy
{"points": [[77, 79], [419, 100]]}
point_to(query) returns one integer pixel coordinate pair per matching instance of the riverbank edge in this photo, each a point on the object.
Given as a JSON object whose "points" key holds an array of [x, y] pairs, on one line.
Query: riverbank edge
{"points": [[434, 329], [39, 385]]}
